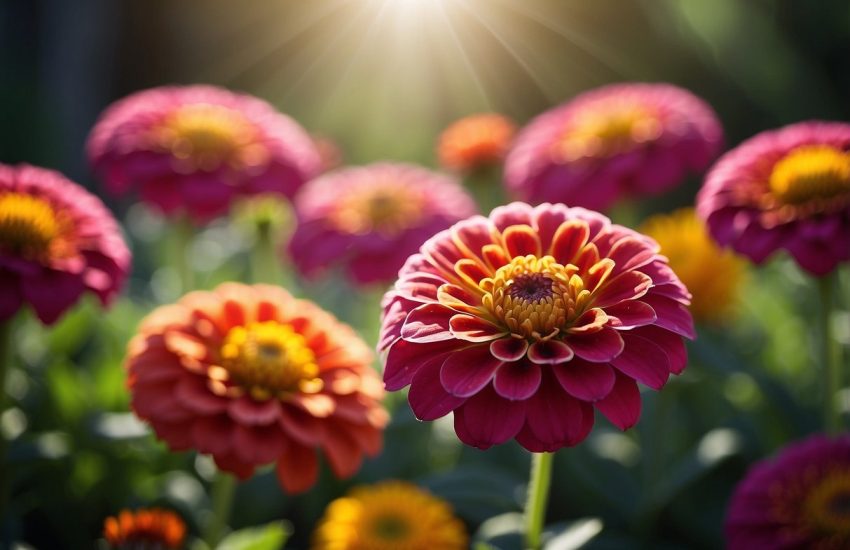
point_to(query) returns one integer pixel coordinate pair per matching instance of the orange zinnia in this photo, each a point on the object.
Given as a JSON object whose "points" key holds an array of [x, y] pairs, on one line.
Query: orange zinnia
{"points": [[253, 376], [150, 528], [475, 142]]}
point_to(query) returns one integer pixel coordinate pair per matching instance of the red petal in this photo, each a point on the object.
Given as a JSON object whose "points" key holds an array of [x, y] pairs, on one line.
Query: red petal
{"points": [[591, 320], [472, 271], [517, 381], [487, 419], [599, 347], [405, 358], [473, 234], [258, 445], [457, 298], [568, 240], [230, 463], [343, 453], [213, 434], [317, 404], [622, 405], [598, 274], [521, 240], [644, 361], [549, 352], [466, 372], [297, 469], [245, 410], [554, 419], [631, 253], [671, 343], [585, 380], [671, 315], [509, 349], [427, 397], [304, 428], [626, 286], [427, 323], [630, 314], [194, 395], [495, 256], [474, 329]]}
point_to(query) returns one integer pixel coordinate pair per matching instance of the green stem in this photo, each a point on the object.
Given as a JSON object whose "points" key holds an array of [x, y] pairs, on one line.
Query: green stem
{"points": [[830, 355], [222, 492], [264, 262], [538, 495], [184, 234]]}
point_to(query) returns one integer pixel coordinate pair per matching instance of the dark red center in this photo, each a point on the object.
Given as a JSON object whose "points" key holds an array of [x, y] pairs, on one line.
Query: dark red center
{"points": [[532, 287]]}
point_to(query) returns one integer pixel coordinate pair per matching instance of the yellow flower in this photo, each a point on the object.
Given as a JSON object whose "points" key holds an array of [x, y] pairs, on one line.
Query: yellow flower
{"points": [[714, 276], [392, 515]]}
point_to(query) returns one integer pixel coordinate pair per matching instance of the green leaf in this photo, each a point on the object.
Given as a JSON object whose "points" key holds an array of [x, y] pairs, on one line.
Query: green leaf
{"points": [[268, 537]]}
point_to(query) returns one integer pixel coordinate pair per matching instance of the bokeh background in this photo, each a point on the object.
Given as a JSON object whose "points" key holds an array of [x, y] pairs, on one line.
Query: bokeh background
{"points": [[382, 78]]}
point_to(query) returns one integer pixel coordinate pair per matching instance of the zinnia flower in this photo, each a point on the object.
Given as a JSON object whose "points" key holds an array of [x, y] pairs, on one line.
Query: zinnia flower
{"points": [[57, 241], [370, 219], [623, 140], [388, 516], [784, 189], [712, 275], [146, 529], [191, 150], [522, 322], [799, 499], [253, 376], [475, 142]]}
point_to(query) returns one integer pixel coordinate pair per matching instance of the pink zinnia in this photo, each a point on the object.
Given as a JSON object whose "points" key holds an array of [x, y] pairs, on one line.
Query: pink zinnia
{"points": [[799, 499], [784, 189], [617, 141], [369, 219], [57, 241], [523, 322], [192, 150]]}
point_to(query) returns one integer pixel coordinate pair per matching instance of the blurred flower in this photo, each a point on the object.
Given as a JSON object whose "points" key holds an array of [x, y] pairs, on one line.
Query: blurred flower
{"points": [[475, 142], [799, 499], [329, 152], [784, 189], [192, 149], [523, 322], [56, 242], [269, 212], [390, 515], [712, 275], [150, 529], [616, 141], [252, 376], [371, 218]]}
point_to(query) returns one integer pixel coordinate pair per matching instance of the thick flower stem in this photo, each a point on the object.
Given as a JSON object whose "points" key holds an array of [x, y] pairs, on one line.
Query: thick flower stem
{"points": [[830, 355], [5, 359], [538, 495], [223, 490]]}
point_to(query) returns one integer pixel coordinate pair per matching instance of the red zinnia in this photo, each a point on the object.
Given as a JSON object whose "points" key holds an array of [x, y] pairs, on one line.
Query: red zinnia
{"points": [[370, 219], [522, 322], [784, 189], [616, 141], [252, 376], [193, 149], [57, 241]]}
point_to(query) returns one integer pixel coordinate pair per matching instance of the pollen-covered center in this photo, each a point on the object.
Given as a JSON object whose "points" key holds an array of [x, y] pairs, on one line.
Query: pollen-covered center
{"points": [[206, 136], [385, 209], [269, 360], [826, 508], [606, 130], [812, 173], [28, 225], [535, 298], [391, 527]]}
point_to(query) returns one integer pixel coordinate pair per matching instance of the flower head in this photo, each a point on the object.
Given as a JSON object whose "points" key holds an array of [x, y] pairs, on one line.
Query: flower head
{"points": [[389, 516], [616, 141], [712, 275], [799, 499], [57, 241], [370, 219], [145, 529], [784, 189], [522, 322], [193, 149], [253, 376], [475, 142]]}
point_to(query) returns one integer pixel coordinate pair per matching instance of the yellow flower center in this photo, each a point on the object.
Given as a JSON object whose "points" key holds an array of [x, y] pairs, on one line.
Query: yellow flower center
{"points": [[28, 225], [536, 297], [205, 137], [270, 360], [609, 130], [385, 210], [811, 174], [827, 506]]}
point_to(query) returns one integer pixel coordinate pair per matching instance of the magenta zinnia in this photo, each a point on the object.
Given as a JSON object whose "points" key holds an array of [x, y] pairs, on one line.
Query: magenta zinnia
{"points": [[623, 140], [784, 189], [57, 241], [369, 219], [799, 499], [192, 150], [523, 322]]}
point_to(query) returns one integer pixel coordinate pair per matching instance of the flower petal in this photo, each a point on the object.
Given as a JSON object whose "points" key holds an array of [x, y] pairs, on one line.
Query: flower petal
{"points": [[405, 358], [481, 425], [474, 329], [245, 410], [466, 372], [518, 380], [644, 361], [568, 240], [509, 349], [549, 352], [427, 397], [622, 405], [585, 380], [554, 419], [599, 347], [297, 469], [671, 315], [427, 323], [630, 314], [625, 286], [521, 240]]}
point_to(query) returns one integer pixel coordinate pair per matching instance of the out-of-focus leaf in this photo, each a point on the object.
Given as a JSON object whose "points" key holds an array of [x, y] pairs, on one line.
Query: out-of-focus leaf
{"points": [[268, 537], [571, 535], [476, 494], [503, 532]]}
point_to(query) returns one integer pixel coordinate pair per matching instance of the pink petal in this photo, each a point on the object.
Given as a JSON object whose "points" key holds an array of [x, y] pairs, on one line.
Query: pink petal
{"points": [[245, 410], [568, 240], [585, 380], [521, 240], [591, 320], [405, 358], [427, 323], [599, 347], [644, 361], [626, 286], [671, 343], [427, 397], [509, 349], [672, 315], [630, 314], [466, 372], [517, 381], [630, 253], [553, 419], [488, 419], [474, 329], [549, 352], [622, 405], [473, 234]]}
